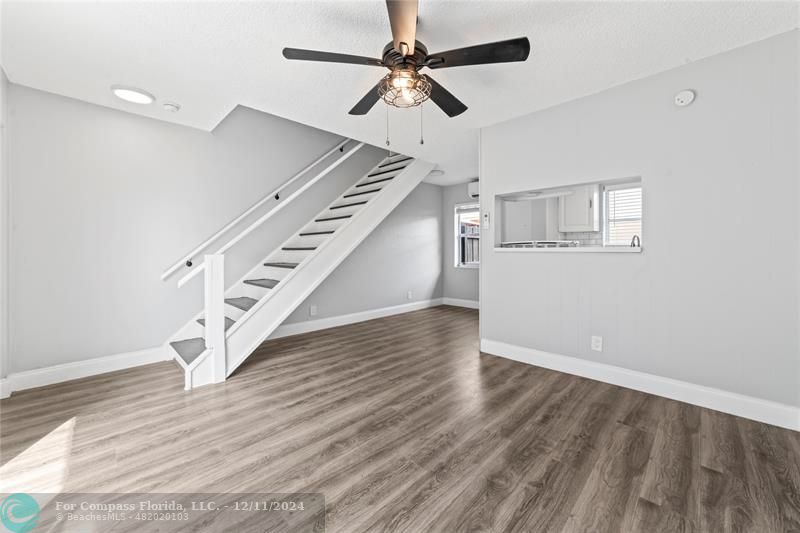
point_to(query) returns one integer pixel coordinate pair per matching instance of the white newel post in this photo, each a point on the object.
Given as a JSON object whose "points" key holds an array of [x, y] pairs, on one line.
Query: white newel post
{"points": [[215, 313]]}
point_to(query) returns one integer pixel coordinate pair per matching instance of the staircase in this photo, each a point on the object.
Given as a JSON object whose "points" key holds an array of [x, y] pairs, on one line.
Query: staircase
{"points": [[237, 320]]}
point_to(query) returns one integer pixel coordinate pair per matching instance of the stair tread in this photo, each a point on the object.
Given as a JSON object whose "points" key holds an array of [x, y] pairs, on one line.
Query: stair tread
{"points": [[298, 248], [228, 322], [242, 302], [265, 283], [360, 193], [395, 162], [384, 172], [373, 182], [309, 233], [325, 219], [281, 264], [353, 204], [189, 349]]}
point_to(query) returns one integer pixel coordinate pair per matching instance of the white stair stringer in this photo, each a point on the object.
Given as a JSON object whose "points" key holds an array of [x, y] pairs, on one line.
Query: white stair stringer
{"points": [[262, 299], [271, 311]]}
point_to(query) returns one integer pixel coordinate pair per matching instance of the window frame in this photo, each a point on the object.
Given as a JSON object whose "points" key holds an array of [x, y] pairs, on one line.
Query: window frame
{"points": [[637, 184], [458, 209]]}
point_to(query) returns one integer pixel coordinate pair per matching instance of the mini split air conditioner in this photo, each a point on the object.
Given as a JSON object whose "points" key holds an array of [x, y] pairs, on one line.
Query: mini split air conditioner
{"points": [[473, 189]]}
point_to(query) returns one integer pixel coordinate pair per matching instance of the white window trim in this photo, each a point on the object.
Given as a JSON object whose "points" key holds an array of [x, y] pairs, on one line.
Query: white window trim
{"points": [[616, 187], [456, 235]]}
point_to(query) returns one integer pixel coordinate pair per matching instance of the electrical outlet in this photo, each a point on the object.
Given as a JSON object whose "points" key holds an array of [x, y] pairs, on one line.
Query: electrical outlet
{"points": [[597, 343], [312, 310], [410, 295]]}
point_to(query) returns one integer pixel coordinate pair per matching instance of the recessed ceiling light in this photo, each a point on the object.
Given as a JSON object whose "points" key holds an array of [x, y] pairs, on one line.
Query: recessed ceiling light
{"points": [[171, 107], [132, 94]]}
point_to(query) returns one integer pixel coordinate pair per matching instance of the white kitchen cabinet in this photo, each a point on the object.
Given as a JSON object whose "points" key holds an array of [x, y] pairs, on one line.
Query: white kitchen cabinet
{"points": [[580, 211]]}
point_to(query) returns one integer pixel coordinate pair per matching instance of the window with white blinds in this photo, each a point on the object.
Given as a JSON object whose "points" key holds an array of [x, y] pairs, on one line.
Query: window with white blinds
{"points": [[623, 209], [468, 234]]}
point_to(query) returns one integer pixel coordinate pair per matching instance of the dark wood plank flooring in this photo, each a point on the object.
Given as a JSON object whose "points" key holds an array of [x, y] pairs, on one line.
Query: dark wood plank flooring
{"points": [[404, 426]]}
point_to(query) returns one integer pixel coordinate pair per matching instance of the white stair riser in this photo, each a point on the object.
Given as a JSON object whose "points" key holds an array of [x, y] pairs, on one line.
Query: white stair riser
{"points": [[311, 240], [333, 225], [352, 210], [251, 291], [265, 272], [202, 374], [391, 165], [361, 197], [392, 159], [374, 181], [289, 256], [389, 169], [233, 312]]}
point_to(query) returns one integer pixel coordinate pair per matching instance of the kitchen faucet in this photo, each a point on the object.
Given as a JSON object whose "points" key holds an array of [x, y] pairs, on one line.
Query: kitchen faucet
{"points": [[636, 242]]}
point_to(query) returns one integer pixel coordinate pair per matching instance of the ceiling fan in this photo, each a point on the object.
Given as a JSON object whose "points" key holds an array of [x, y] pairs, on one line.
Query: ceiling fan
{"points": [[404, 86]]}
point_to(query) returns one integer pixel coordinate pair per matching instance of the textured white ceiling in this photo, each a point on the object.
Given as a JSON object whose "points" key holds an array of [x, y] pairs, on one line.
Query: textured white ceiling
{"points": [[211, 56]]}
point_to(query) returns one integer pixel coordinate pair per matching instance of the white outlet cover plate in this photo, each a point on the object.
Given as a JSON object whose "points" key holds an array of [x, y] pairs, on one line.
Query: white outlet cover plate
{"points": [[597, 344]]}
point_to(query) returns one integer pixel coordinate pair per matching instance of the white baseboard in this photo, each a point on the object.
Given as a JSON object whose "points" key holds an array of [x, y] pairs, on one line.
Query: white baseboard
{"points": [[40, 377], [458, 302], [80, 369], [774, 413], [297, 328]]}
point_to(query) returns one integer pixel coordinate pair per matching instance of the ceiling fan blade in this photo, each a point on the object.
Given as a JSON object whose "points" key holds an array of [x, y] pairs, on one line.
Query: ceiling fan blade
{"points": [[365, 104], [499, 52], [445, 99], [330, 57], [403, 19]]}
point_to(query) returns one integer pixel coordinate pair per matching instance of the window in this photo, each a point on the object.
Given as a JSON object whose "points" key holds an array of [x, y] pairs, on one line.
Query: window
{"points": [[468, 235], [623, 214]]}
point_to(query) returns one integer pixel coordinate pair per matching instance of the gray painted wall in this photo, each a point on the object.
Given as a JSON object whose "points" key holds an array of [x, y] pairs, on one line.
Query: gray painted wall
{"points": [[713, 299], [103, 201], [461, 283], [404, 253]]}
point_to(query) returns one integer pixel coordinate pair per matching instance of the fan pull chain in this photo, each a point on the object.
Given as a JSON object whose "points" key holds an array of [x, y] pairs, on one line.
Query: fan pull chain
{"points": [[421, 137], [388, 143]]}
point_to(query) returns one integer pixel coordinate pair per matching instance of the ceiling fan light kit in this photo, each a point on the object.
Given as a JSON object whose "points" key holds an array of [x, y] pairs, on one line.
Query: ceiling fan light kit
{"points": [[404, 86]]}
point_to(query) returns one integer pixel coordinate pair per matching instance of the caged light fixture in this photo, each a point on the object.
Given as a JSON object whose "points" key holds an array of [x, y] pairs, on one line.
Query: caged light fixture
{"points": [[404, 87]]}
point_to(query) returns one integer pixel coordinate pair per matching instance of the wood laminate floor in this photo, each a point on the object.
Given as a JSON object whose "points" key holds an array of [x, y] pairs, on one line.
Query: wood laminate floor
{"points": [[404, 426]]}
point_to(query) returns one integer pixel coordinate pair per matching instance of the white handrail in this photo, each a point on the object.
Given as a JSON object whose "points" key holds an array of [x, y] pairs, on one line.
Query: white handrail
{"points": [[268, 214], [167, 273]]}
